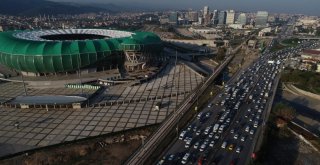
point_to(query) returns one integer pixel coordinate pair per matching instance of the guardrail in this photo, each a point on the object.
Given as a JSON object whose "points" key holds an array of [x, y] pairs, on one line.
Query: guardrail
{"points": [[144, 152]]}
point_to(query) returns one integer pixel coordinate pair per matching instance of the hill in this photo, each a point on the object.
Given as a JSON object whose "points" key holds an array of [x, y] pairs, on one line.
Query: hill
{"points": [[36, 7]]}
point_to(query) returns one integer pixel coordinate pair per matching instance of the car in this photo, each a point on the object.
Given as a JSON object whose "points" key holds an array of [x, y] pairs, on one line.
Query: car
{"points": [[216, 136], [224, 144], [210, 105], [243, 138], [185, 158], [161, 162], [195, 128], [232, 131], [187, 139], [236, 136], [211, 143], [231, 146], [211, 135], [252, 132], [196, 145], [198, 132], [238, 149], [171, 157], [208, 114], [203, 147], [247, 129]]}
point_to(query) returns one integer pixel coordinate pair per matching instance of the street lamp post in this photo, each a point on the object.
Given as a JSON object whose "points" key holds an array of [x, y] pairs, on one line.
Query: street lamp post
{"points": [[24, 85]]}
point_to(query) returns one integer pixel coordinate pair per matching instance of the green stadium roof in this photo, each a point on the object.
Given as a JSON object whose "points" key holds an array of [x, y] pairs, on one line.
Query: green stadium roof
{"points": [[27, 51]]}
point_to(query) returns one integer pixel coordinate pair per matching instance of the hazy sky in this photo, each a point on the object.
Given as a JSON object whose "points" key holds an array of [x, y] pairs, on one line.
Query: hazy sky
{"points": [[311, 7]]}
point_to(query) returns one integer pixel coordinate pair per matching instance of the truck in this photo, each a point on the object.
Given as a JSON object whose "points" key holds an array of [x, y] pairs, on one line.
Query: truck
{"points": [[215, 128]]}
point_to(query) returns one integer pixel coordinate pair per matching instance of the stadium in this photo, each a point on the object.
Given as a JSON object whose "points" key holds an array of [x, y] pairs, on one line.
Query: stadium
{"points": [[52, 52]]}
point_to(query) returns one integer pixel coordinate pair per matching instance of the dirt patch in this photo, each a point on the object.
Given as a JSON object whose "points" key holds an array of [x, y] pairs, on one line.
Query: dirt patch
{"points": [[109, 149]]}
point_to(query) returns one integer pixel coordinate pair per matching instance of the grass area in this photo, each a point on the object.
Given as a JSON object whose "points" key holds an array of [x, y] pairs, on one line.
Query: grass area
{"points": [[306, 80], [277, 46], [291, 41]]}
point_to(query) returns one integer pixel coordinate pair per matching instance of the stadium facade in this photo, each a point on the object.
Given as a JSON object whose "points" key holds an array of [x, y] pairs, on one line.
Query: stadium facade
{"points": [[45, 52]]}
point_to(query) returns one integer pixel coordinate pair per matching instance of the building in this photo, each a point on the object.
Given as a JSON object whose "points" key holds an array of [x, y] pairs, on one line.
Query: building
{"points": [[205, 11], [215, 17], [230, 17], [242, 19], [193, 16], [310, 56], [222, 18], [173, 18], [52, 52], [261, 18]]}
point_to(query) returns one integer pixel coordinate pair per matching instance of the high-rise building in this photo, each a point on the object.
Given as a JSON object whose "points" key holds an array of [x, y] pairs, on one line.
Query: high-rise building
{"points": [[205, 11], [261, 18], [230, 17], [242, 19], [173, 18], [215, 17], [193, 16], [222, 18]]}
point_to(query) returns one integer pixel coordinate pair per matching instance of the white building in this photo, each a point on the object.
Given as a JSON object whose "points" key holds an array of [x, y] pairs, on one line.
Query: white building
{"points": [[205, 11], [230, 17], [242, 19]]}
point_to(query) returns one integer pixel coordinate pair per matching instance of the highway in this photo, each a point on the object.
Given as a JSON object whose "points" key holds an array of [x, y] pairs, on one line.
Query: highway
{"points": [[143, 153], [241, 109]]}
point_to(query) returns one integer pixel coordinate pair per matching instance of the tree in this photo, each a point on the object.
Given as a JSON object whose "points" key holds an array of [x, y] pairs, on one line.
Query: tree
{"points": [[284, 111]]}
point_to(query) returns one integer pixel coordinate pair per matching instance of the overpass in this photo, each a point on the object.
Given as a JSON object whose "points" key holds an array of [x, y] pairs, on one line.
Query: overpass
{"points": [[307, 37]]}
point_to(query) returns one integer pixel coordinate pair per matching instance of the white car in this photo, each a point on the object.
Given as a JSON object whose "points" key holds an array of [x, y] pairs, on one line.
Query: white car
{"points": [[243, 138], [238, 150], [236, 136], [203, 147], [224, 145], [211, 144], [211, 135], [252, 132], [196, 145], [185, 158]]}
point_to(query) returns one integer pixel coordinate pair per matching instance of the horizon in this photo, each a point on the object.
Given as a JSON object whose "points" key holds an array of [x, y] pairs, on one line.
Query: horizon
{"points": [[273, 6]]}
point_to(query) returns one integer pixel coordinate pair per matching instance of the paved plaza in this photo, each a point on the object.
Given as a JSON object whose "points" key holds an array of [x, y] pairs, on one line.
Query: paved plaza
{"points": [[38, 127]]}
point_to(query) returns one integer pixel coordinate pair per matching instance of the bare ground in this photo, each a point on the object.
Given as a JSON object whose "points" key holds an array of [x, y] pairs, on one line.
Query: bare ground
{"points": [[108, 150]]}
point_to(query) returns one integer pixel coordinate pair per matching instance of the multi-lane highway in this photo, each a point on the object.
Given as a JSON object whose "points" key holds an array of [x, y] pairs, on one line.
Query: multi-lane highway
{"points": [[229, 129]]}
